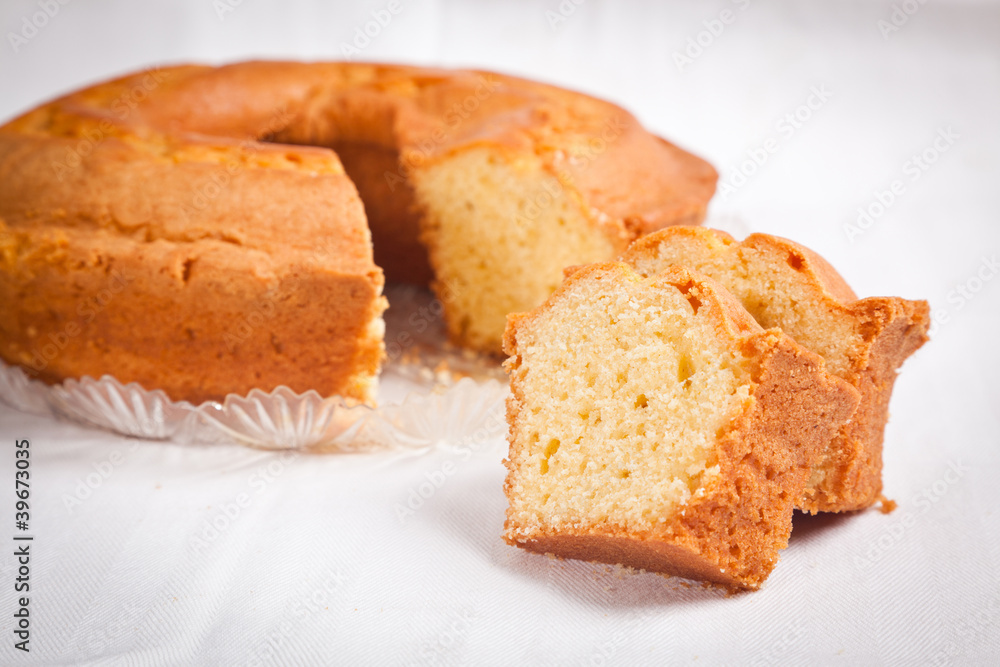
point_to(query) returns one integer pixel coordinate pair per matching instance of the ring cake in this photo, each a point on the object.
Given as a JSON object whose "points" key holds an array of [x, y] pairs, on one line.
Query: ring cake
{"points": [[207, 231]]}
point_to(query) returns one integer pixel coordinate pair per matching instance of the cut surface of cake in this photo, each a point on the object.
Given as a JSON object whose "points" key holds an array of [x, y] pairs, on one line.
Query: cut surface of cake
{"points": [[655, 424], [864, 341]]}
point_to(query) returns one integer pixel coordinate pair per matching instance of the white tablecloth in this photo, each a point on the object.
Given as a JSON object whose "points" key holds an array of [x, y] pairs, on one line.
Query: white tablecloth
{"points": [[152, 553]]}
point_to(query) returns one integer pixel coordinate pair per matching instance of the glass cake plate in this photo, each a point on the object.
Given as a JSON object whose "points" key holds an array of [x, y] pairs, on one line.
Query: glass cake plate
{"points": [[430, 394]]}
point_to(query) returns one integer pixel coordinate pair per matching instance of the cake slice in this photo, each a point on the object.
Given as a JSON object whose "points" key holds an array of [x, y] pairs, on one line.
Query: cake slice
{"points": [[655, 424], [783, 284]]}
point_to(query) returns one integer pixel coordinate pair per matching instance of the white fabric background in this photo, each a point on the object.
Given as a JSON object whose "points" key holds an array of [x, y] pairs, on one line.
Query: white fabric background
{"points": [[119, 579]]}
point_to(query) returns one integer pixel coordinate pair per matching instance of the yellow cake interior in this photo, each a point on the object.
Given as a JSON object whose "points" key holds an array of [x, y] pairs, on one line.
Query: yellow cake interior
{"points": [[774, 298], [627, 394], [500, 232]]}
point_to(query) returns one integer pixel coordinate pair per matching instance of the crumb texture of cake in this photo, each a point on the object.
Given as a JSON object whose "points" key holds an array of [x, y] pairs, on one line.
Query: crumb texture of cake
{"points": [[241, 204], [864, 341], [655, 424], [496, 228]]}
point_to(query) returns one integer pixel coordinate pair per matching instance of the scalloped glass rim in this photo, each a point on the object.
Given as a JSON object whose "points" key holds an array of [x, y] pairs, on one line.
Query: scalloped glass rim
{"points": [[460, 413]]}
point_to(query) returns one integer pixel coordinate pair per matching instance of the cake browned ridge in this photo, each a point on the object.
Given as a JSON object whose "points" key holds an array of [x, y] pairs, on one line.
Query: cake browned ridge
{"points": [[200, 229], [655, 424], [864, 341]]}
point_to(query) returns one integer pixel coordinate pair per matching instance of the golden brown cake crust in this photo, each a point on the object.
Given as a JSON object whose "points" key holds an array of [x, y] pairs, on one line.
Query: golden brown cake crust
{"points": [[731, 536], [173, 174], [890, 330]]}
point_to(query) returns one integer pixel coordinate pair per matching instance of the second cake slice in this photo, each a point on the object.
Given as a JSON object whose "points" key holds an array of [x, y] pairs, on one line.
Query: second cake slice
{"points": [[864, 341]]}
